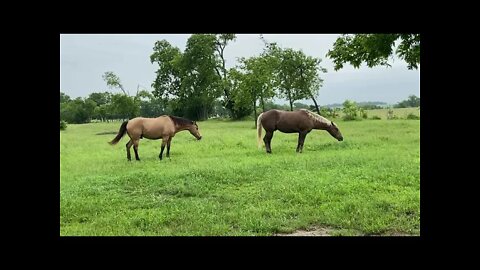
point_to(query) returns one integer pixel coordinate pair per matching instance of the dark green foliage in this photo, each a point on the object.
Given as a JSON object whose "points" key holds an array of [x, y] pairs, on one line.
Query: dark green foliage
{"points": [[412, 116], [375, 49], [350, 110], [412, 101], [63, 125]]}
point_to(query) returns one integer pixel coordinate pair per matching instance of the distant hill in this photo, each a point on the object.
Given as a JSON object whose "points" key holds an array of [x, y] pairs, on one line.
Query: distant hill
{"points": [[376, 103]]}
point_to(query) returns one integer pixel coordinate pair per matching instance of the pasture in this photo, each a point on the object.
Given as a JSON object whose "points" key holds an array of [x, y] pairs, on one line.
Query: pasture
{"points": [[222, 185]]}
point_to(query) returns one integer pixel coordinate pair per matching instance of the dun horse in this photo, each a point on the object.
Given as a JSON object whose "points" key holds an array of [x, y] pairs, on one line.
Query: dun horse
{"points": [[301, 122], [164, 127]]}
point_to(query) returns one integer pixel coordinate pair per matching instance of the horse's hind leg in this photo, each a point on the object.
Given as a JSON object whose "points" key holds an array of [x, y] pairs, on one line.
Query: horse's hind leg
{"points": [[135, 148], [128, 145], [164, 141], [301, 140], [168, 147], [268, 139]]}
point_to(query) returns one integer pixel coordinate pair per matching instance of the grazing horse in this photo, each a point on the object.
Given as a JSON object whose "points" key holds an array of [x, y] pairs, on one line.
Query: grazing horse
{"points": [[164, 127], [301, 122]]}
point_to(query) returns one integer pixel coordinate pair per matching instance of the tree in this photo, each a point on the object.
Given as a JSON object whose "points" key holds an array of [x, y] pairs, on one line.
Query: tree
{"points": [[350, 110], [220, 44], [113, 81], [100, 98], [167, 83], [188, 81], [253, 81], [124, 106], [310, 82], [77, 111], [374, 49], [412, 101], [201, 85], [297, 75], [150, 106], [64, 97]]}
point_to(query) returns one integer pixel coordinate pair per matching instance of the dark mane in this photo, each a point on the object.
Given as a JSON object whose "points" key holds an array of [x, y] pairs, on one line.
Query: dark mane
{"points": [[180, 121]]}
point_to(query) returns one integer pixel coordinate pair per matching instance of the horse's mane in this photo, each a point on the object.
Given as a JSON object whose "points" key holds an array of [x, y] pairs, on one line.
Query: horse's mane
{"points": [[181, 121], [317, 117]]}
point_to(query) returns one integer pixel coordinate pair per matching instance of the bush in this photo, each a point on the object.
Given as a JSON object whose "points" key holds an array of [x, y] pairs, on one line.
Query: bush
{"points": [[412, 116], [390, 115], [376, 117], [363, 113], [63, 125], [350, 110], [348, 117]]}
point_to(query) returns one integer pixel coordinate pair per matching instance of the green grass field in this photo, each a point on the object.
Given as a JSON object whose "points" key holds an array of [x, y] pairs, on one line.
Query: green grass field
{"points": [[368, 184]]}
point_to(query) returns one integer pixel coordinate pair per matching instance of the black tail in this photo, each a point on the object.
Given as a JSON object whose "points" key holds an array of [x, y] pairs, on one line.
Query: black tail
{"points": [[121, 132]]}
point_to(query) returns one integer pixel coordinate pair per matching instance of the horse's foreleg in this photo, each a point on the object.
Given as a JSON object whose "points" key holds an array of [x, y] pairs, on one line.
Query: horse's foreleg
{"points": [[168, 147], [128, 145], [301, 140], [268, 139], [164, 141], [135, 148]]}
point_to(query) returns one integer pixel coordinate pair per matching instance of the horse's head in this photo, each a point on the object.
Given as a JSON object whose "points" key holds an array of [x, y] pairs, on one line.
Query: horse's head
{"points": [[335, 132], [193, 128]]}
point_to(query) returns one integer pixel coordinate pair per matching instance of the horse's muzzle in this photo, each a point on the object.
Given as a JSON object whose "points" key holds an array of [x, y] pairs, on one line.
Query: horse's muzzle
{"points": [[199, 138], [340, 139]]}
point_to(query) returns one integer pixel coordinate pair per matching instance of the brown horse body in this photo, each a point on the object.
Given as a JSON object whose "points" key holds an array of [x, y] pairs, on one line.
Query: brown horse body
{"points": [[164, 127], [301, 122]]}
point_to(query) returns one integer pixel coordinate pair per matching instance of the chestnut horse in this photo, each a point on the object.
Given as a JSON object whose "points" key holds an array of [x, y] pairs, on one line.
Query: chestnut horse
{"points": [[301, 122], [164, 127]]}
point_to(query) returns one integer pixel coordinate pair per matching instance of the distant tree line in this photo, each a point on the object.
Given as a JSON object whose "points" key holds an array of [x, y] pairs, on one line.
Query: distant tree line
{"points": [[197, 85], [412, 101], [105, 106]]}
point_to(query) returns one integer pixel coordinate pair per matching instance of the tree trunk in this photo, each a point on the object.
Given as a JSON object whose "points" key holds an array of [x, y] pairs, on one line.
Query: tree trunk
{"points": [[255, 112], [316, 105], [263, 104], [290, 99]]}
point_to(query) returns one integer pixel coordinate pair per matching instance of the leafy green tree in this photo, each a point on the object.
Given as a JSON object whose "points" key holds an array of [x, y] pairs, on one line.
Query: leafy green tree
{"points": [[412, 101], [113, 81], [64, 97], [189, 81], [77, 111], [297, 75], [124, 106], [167, 83], [221, 42], [201, 85], [100, 98], [309, 82], [375, 49], [350, 110]]}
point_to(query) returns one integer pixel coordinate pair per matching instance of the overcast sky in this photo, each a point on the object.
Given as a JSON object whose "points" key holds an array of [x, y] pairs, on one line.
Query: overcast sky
{"points": [[85, 58]]}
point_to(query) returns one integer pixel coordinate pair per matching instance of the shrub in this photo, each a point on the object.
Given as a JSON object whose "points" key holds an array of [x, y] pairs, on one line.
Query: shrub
{"points": [[376, 117], [412, 116], [350, 110], [390, 115], [63, 125]]}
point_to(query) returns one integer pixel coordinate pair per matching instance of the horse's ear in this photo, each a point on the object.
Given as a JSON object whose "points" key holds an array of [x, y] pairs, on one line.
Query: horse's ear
{"points": [[194, 122]]}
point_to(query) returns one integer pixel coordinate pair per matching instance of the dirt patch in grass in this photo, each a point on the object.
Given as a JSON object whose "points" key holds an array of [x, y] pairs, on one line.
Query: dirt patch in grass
{"points": [[310, 232], [322, 231]]}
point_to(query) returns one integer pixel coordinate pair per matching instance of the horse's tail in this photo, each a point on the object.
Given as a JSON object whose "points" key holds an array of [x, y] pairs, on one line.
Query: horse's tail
{"points": [[259, 131], [121, 133]]}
